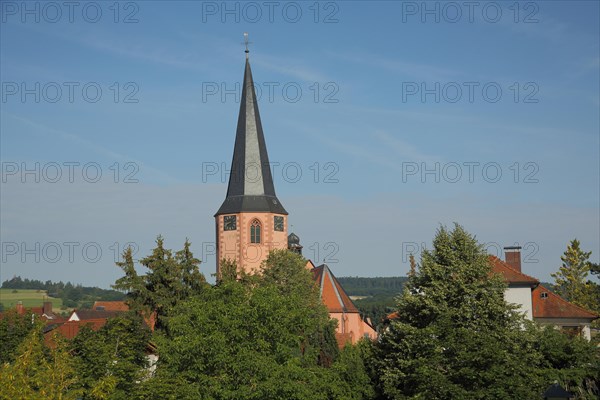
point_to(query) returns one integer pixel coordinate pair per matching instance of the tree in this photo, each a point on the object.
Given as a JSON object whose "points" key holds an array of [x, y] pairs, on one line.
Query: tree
{"points": [[351, 367], [572, 361], [571, 279], [38, 372], [169, 280], [14, 328], [594, 288], [260, 337], [455, 337], [287, 271], [112, 359]]}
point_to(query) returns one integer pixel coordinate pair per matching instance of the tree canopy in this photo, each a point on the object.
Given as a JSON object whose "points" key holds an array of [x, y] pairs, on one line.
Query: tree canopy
{"points": [[266, 336], [456, 337], [169, 279], [571, 280]]}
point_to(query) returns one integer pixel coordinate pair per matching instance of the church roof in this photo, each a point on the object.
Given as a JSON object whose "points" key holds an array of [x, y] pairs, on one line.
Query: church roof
{"points": [[251, 186], [293, 238], [550, 305], [332, 293]]}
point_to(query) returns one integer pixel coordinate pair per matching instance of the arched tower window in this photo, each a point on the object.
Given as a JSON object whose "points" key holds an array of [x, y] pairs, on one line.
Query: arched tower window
{"points": [[255, 232]]}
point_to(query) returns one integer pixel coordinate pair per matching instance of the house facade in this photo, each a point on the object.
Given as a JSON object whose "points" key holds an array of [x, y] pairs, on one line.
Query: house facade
{"points": [[537, 302]]}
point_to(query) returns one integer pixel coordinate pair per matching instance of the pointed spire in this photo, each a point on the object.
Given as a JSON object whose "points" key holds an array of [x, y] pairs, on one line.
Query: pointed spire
{"points": [[251, 186]]}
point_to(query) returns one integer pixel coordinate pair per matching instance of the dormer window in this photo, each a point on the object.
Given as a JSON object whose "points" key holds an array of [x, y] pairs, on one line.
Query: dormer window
{"points": [[544, 295], [255, 231]]}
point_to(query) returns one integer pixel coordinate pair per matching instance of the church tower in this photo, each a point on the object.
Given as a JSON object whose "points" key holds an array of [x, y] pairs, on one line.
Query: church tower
{"points": [[251, 221]]}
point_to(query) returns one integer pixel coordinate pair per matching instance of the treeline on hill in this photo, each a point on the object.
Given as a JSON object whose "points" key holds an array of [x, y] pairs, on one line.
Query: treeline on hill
{"points": [[356, 286], [380, 295], [75, 296]]}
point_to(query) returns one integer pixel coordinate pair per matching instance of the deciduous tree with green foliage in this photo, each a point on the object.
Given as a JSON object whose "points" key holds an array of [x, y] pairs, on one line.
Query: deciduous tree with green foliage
{"points": [[38, 372], [571, 361], [266, 336], [14, 328], [111, 360]]}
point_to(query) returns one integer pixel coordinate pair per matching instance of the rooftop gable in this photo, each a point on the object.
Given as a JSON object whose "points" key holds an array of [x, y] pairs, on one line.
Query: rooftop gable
{"points": [[511, 275], [110, 306], [552, 305], [332, 293]]}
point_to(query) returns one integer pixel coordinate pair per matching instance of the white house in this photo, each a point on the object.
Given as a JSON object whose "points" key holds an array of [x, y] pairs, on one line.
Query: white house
{"points": [[536, 301]]}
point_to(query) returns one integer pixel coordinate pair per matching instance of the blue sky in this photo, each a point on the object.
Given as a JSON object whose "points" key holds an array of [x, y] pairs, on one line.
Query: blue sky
{"points": [[399, 116]]}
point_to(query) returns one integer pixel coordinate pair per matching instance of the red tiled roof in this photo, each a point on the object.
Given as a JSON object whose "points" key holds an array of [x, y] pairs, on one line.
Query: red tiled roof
{"points": [[95, 314], [554, 306], [111, 305], [70, 329], [511, 275], [332, 293]]}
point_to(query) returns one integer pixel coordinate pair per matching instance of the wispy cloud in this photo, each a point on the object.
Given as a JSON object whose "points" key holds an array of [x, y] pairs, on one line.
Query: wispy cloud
{"points": [[401, 149], [414, 70], [96, 148], [289, 67], [379, 148]]}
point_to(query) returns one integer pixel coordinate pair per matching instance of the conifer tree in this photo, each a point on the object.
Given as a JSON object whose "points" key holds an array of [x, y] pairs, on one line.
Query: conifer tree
{"points": [[169, 279], [456, 337], [571, 279]]}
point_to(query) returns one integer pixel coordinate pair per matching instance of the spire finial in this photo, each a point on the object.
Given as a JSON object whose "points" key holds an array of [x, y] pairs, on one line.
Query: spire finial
{"points": [[246, 42]]}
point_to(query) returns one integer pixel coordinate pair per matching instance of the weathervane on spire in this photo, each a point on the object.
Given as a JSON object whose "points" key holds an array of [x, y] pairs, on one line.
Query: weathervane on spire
{"points": [[246, 42]]}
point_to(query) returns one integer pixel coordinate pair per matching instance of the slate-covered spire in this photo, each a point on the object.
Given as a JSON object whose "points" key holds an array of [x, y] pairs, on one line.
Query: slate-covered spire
{"points": [[250, 182]]}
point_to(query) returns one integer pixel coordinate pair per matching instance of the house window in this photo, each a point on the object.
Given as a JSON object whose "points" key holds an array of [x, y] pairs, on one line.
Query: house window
{"points": [[571, 330], [544, 295], [255, 232]]}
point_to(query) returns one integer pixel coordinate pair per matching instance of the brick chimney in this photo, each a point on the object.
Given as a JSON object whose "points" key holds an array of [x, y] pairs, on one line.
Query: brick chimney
{"points": [[20, 308], [512, 255], [47, 308]]}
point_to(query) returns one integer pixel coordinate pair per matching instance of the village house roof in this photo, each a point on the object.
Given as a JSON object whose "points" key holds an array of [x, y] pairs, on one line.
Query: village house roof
{"points": [[110, 306], [511, 275], [45, 311], [332, 293], [550, 305], [70, 329], [93, 314]]}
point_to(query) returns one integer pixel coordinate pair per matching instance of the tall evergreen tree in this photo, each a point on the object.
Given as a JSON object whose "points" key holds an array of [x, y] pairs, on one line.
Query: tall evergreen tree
{"points": [[169, 279], [456, 337], [571, 279]]}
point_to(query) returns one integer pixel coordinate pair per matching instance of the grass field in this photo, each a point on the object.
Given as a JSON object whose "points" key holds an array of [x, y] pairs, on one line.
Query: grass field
{"points": [[29, 297]]}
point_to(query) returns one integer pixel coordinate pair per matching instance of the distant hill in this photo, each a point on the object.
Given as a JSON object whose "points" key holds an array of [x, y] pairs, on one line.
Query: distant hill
{"points": [[379, 294], [70, 295], [356, 286], [29, 298]]}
